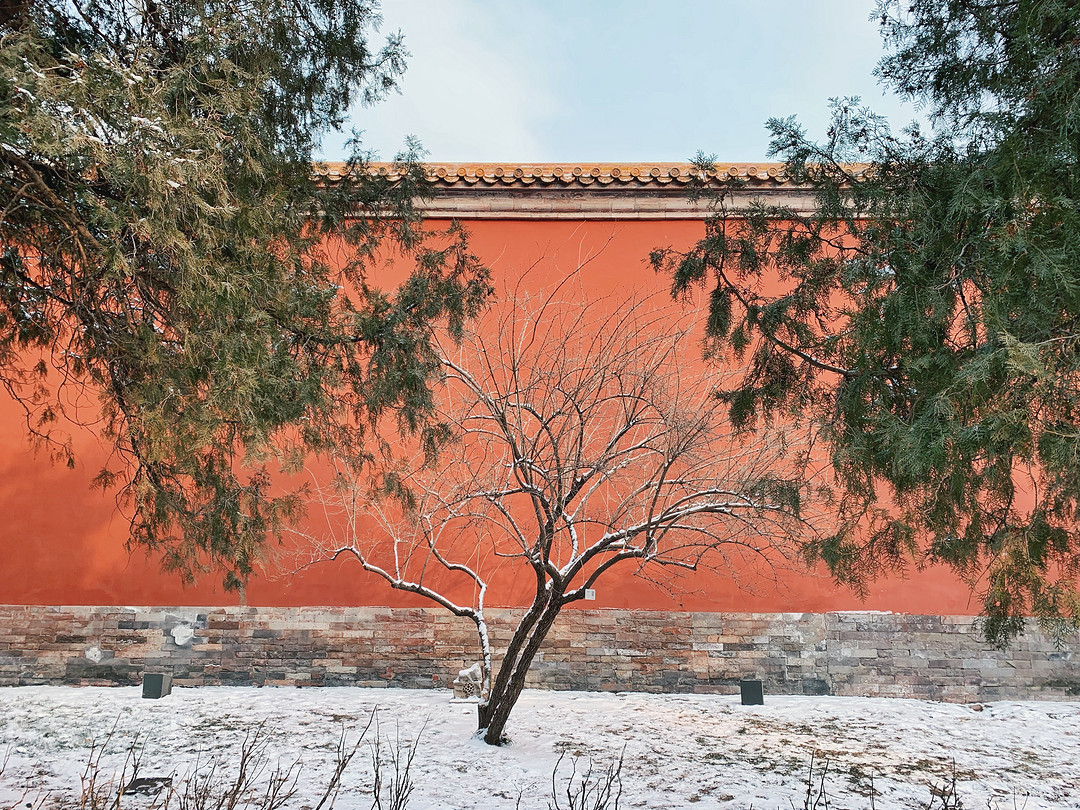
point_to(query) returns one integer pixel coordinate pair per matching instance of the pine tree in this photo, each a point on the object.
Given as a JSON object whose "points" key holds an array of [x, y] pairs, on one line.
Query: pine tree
{"points": [[167, 252], [928, 309]]}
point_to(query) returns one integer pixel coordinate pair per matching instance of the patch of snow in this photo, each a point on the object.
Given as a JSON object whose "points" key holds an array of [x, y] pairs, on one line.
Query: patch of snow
{"points": [[681, 751], [182, 634]]}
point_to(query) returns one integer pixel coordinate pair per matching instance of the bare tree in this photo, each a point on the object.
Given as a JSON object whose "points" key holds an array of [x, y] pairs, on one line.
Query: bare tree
{"points": [[580, 447]]}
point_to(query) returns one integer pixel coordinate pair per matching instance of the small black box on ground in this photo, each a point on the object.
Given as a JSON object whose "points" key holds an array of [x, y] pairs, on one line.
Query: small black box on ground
{"points": [[752, 693], [156, 685]]}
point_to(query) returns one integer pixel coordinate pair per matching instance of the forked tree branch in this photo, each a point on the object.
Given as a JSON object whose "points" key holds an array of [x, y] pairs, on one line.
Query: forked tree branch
{"points": [[582, 445]]}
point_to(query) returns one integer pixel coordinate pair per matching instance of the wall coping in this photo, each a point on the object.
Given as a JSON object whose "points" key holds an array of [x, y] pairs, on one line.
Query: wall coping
{"points": [[590, 190]]}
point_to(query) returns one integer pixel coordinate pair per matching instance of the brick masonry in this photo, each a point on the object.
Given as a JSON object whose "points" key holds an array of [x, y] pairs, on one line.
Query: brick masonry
{"points": [[880, 654]]}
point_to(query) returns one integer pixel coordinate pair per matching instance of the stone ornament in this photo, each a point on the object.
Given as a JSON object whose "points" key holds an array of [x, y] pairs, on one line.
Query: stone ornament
{"points": [[467, 684]]}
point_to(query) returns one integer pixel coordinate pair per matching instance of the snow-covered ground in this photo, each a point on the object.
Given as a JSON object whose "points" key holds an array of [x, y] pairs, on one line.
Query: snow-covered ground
{"points": [[681, 751]]}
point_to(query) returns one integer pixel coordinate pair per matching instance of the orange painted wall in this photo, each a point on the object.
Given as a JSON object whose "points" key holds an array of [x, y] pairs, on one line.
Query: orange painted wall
{"points": [[62, 543]]}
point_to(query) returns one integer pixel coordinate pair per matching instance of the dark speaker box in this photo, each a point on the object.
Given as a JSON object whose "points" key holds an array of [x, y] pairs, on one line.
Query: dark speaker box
{"points": [[752, 693], [156, 685]]}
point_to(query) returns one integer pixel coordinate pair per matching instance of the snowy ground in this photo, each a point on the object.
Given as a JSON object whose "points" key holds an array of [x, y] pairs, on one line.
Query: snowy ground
{"points": [[681, 751]]}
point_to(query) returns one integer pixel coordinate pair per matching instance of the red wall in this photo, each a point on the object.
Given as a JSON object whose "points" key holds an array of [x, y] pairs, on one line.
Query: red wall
{"points": [[62, 543]]}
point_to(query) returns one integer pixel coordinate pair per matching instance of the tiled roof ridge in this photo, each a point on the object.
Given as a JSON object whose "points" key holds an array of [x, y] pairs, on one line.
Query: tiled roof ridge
{"points": [[460, 175]]}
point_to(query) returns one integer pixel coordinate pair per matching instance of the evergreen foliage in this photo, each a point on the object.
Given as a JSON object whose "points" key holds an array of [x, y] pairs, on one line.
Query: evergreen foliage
{"points": [[166, 249], [926, 312]]}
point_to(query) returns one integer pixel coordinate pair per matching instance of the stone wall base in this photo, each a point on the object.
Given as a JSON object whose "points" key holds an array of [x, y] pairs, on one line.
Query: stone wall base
{"points": [[858, 653]]}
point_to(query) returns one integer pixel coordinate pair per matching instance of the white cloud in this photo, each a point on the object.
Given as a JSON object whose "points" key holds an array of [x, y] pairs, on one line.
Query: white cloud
{"points": [[469, 93], [556, 80]]}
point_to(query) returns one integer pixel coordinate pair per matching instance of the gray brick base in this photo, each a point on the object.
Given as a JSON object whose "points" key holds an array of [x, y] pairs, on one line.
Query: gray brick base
{"points": [[934, 657]]}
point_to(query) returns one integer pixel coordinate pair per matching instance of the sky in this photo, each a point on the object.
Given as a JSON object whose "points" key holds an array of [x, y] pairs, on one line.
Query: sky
{"points": [[619, 80]]}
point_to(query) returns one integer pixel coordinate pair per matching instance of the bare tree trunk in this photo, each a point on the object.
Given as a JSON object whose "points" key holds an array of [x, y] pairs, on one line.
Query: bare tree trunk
{"points": [[493, 713]]}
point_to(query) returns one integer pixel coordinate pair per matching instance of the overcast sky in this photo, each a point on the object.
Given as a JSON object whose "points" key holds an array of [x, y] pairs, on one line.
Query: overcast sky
{"points": [[619, 80]]}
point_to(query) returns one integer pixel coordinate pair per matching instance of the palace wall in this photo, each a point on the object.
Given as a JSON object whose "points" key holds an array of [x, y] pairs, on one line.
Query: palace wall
{"points": [[63, 543]]}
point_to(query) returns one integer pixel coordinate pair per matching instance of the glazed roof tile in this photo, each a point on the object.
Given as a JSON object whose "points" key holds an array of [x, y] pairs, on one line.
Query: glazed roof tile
{"points": [[524, 175]]}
